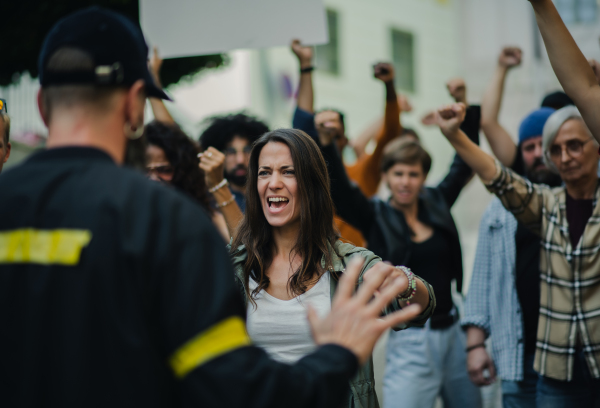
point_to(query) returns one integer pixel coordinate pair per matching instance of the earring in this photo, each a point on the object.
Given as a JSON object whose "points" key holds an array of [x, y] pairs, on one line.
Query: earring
{"points": [[133, 132]]}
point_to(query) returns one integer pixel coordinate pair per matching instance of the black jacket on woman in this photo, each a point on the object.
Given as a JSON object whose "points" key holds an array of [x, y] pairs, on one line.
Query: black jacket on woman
{"points": [[384, 227]]}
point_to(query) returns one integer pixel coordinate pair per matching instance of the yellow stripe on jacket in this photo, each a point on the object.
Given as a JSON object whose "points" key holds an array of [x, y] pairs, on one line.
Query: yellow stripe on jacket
{"points": [[46, 247], [223, 337]]}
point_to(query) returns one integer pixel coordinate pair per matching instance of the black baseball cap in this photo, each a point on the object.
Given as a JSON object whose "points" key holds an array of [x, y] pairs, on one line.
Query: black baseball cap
{"points": [[114, 42], [557, 100]]}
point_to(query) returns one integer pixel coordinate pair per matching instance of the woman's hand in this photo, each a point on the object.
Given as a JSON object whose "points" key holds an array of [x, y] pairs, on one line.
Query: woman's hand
{"points": [[396, 276], [354, 321], [450, 117], [212, 162]]}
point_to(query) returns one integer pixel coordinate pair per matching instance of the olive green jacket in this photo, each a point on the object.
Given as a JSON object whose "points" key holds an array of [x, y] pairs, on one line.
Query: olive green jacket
{"points": [[362, 387]]}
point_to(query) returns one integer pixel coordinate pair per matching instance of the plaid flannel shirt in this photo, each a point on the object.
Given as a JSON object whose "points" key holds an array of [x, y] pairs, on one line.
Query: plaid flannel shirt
{"points": [[570, 277]]}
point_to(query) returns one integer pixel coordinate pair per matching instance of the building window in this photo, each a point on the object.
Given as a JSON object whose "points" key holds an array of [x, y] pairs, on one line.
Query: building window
{"points": [[328, 55], [578, 11], [403, 56]]}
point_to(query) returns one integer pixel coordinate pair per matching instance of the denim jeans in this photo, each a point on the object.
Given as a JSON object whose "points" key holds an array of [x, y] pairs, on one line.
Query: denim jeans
{"points": [[422, 364], [582, 392], [521, 394]]}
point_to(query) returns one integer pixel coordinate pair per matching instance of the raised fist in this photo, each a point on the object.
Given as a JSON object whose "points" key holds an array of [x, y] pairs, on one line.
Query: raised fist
{"points": [[450, 117], [326, 134], [510, 57], [212, 162], [383, 71], [458, 90], [303, 53]]}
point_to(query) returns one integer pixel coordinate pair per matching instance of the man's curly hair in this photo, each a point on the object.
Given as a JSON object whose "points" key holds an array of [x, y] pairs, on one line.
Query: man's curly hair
{"points": [[222, 129], [182, 153]]}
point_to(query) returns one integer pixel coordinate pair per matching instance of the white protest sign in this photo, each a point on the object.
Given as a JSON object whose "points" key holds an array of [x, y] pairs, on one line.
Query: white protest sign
{"points": [[181, 28]]}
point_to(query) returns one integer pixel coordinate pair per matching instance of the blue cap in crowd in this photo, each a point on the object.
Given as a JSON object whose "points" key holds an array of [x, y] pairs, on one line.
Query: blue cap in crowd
{"points": [[533, 124]]}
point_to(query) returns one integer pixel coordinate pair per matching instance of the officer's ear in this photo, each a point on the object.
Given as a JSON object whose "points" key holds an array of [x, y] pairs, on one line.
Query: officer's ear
{"points": [[135, 104], [42, 107]]}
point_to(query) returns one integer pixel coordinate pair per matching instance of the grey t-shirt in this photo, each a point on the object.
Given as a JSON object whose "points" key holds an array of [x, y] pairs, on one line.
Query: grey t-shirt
{"points": [[281, 326]]}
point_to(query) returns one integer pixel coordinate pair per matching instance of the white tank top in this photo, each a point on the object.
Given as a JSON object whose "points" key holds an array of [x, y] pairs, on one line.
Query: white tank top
{"points": [[281, 326]]}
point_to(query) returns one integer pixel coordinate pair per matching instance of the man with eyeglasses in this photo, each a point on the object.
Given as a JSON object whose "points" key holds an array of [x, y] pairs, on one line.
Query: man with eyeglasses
{"points": [[231, 137], [4, 134], [567, 219]]}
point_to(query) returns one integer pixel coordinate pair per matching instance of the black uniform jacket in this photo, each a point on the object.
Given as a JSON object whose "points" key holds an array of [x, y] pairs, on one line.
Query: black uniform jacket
{"points": [[384, 227], [116, 291]]}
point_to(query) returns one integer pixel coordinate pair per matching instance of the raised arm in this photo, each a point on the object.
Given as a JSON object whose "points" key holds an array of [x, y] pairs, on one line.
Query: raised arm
{"points": [[350, 203], [502, 144], [212, 162], [519, 196], [570, 66], [366, 172], [159, 109], [460, 173], [304, 116], [305, 99], [449, 119], [376, 130]]}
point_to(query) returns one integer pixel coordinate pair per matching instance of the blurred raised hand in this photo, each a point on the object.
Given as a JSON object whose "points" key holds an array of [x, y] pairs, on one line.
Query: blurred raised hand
{"points": [[450, 117], [384, 71], [510, 57], [458, 90], [212, 162], [303, 53]]}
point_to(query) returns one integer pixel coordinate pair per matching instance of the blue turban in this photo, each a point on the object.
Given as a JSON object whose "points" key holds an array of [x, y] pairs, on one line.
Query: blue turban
{"points": [[533, 124]]}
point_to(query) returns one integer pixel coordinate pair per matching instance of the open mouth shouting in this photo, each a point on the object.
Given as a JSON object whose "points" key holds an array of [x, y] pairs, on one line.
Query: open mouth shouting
{"points": [[277, 203]]}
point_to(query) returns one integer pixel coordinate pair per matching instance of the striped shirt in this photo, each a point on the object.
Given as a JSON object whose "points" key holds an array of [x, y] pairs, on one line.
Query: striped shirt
{"points": [[570, 277]]}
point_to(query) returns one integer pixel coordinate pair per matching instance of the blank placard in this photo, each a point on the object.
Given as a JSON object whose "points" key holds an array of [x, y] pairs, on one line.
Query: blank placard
{"points": [[182, 28]]}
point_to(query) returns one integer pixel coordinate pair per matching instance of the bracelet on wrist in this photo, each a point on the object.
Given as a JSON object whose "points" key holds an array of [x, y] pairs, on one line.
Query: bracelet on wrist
{"points": [[475, 346], [225, 203], [307, 70], [412, 285], [219, 186]]}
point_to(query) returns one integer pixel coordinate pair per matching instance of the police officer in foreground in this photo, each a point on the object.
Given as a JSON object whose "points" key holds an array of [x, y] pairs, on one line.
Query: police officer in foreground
{"points": [[116, 291]]}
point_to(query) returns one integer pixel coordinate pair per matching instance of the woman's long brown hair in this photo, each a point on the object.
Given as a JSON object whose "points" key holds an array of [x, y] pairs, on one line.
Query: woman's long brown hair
{"points": [[316, 215]]}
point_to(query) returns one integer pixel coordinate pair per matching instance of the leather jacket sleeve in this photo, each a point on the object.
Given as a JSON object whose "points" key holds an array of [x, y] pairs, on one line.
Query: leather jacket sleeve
{"points": [[460, 173], [350, 203]]}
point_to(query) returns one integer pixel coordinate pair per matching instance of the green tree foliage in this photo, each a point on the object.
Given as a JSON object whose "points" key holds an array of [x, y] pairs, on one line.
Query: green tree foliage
{"points": [[25, 23]]}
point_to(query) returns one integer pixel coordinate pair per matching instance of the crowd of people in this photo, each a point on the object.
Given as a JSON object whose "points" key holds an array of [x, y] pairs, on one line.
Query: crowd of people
{"points": [[141, 266]]}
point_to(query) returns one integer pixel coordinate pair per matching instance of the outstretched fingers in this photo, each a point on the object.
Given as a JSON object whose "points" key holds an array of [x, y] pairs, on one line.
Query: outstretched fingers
{"points": [[402, 316], [385, 297], [348, 281]]}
